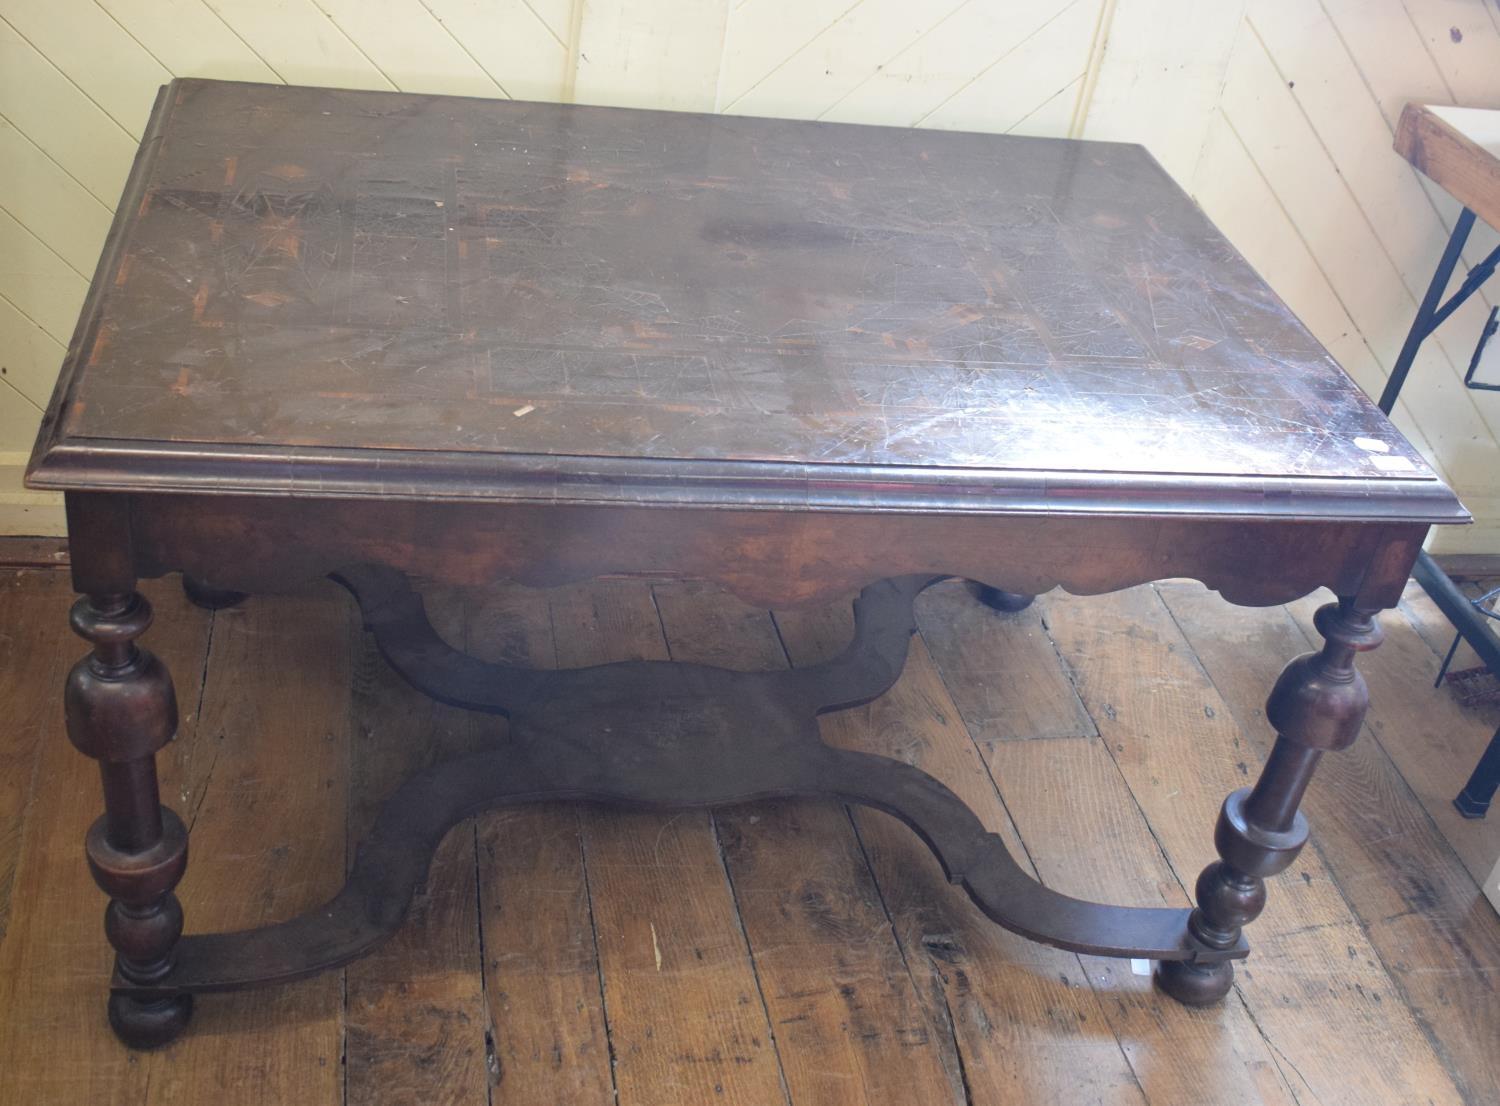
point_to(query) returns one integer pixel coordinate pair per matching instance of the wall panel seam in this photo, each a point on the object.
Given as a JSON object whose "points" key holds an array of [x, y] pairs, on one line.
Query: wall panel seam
{"points": [[63, 73], [1097, 49], [127, 33], [1338, 33], [47, 245], [1062, 11], [228, 26], [57, 164], [482, 67], [780, 65], [1436, 346]]}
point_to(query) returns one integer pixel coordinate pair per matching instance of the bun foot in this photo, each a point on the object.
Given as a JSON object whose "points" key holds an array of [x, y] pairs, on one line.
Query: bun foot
{"points": [[1006, 602], [1195, 984], [151, 1023], [210, 599]]}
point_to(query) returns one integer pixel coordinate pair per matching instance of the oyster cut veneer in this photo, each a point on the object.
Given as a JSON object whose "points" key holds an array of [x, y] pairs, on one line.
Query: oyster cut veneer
{"points": [[361, 334]]}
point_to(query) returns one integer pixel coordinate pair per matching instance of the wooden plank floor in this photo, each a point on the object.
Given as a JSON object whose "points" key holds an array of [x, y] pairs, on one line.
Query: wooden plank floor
{"points": [[790, 952]]}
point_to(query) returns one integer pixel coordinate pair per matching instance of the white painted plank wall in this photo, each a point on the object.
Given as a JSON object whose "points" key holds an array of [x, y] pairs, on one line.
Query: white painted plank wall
{"points": [[1276, 114]]}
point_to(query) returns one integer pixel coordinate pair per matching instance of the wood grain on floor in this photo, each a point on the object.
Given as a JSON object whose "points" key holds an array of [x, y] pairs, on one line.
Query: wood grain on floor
{"points": [[774, 953]]}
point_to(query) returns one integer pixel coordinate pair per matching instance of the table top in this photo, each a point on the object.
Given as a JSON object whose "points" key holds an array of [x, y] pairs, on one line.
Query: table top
{"points": [[323, 292], [1459, 149]]}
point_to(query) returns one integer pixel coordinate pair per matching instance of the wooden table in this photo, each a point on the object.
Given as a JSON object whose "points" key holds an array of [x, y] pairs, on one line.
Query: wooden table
{"points": [[364, 334]]}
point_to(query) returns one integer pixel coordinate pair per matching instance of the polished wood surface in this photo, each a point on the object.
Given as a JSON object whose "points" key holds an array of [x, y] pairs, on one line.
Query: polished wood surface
{"points": [[1457, 148], [363, 293]]}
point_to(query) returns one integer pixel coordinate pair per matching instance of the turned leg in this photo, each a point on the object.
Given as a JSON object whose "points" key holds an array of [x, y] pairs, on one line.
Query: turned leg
{"points": [[120, 710], [1006, 602], [209, 598], [1318, 704]]}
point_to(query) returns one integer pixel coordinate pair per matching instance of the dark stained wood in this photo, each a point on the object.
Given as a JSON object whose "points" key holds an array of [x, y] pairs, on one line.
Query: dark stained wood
{"points": [[677, 734], [1421, 909], [1317, 706], [1086, 835], [1340, 1031], [52, 958], [210, 599], [120, 708], [334, 292], [362, 334], [1433, 739], [779, 559], [1026, 1037]]}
